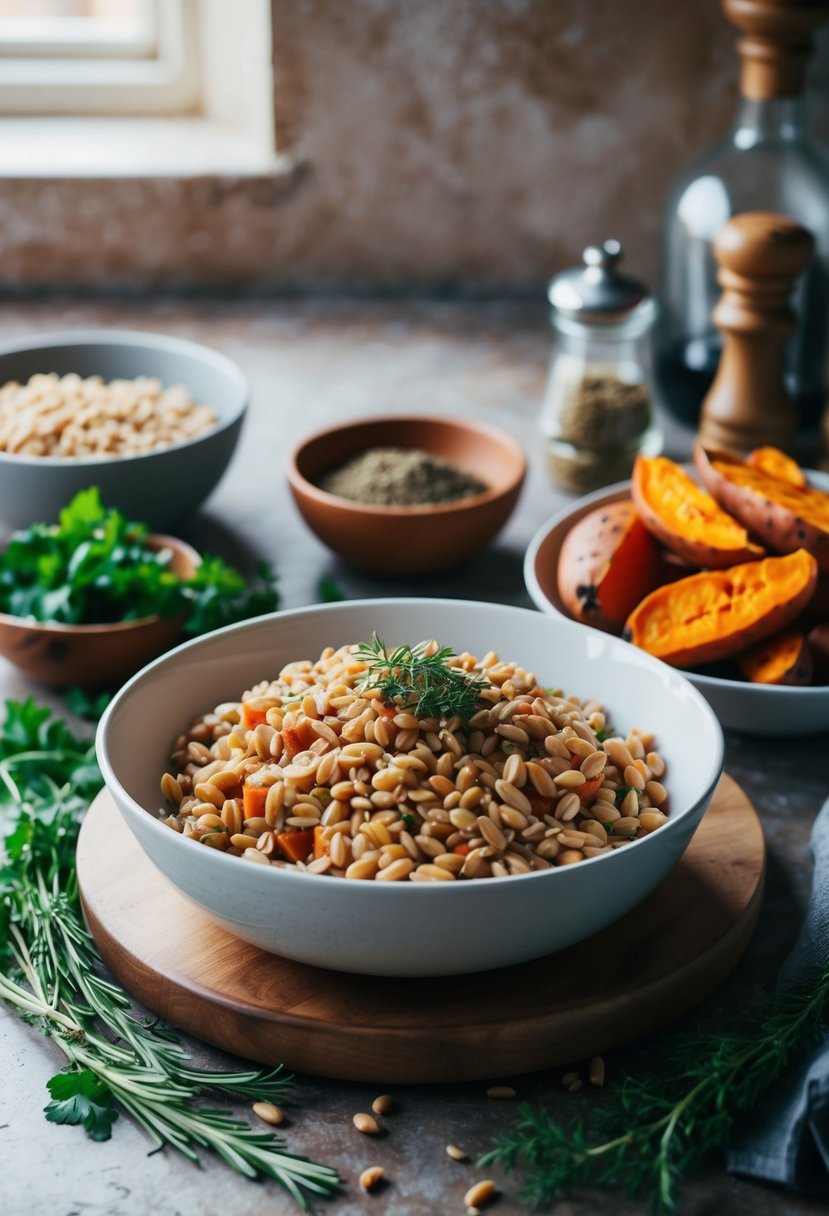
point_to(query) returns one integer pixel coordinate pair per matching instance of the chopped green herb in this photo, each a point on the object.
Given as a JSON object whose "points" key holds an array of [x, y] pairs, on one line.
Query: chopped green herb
{"points": [[602, 734], [85, 704], [407, 819], [621, 794], [426, 683], [329, 591], [94, 567]]}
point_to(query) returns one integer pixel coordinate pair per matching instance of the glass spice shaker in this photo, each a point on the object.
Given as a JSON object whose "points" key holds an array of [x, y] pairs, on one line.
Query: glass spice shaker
{"points": [[598, 406]]}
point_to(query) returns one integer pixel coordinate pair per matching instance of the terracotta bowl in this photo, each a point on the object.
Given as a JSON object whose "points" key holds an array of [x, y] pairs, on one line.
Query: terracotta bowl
{"points": [[95, 656], [409, 540]]}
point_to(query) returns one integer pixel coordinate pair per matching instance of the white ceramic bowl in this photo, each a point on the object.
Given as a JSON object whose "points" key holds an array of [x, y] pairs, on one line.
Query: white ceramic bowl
{"points": [[410, 928], [160, 488], [753, 708]]}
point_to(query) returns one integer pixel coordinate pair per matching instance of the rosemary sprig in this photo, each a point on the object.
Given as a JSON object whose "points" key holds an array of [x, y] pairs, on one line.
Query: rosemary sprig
{"points": [[654, 1130], [420, 679], [51, 974]]}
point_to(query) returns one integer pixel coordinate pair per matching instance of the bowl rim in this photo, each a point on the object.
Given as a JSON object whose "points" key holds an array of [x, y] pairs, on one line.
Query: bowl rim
{"points": [[780, 692], [136, 339], [9, 620], [125, 800], [299, 482]]}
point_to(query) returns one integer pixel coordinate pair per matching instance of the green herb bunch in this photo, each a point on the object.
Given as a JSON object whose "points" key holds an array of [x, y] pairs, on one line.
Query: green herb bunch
{"points": [[654, 1130], [52, 975], [95, 566], [415, 679]]}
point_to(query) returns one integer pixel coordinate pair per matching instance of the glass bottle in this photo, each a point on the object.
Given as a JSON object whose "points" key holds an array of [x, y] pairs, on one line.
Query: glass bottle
{"points": [[766, 162], [597, 412]]}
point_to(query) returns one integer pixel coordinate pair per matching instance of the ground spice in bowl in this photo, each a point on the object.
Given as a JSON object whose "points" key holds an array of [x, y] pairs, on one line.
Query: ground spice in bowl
{"points": [[400, 477]]}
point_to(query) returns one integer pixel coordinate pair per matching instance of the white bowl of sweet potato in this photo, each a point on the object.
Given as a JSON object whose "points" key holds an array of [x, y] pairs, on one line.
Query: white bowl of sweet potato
{"points": [[721, 570]]}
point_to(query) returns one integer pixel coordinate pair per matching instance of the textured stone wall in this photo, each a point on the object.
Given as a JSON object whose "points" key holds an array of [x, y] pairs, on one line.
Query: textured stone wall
{"points": [[471, 143]]}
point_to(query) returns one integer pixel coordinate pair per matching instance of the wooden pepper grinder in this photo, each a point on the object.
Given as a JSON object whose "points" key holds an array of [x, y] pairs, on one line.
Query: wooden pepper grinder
{"points": [[776, 43], [759, 255]]}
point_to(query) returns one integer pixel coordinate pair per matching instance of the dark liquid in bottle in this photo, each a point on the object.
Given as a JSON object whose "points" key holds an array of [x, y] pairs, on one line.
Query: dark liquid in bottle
{"points": [[683, 386]]}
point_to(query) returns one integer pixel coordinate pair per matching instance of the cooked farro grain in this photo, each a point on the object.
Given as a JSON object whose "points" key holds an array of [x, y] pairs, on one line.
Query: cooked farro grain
{"points": [[314, 772]]}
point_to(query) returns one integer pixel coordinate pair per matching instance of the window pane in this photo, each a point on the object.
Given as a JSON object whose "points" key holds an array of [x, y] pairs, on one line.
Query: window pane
{"points": [[69, 26]]}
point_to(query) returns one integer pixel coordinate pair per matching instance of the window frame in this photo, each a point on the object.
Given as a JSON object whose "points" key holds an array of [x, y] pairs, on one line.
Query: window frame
{"points": [[155, 75]]}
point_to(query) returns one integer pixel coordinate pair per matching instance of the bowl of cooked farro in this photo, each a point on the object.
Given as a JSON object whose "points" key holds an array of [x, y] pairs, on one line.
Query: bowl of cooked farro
{"points": [[152, 420], [411, 787]]}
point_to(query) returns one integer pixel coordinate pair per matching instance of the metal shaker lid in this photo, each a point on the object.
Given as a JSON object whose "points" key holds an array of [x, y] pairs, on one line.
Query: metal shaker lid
{"points": [[595, 292]]}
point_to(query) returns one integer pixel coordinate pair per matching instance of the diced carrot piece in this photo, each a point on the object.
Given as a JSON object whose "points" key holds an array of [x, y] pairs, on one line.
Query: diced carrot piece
{"points": [[541, 804], [386, 710], [524, 708], [295, 846], [254, 798], [251, 716], [462, 848], [320, 842], [589, 788], [292, 739]]}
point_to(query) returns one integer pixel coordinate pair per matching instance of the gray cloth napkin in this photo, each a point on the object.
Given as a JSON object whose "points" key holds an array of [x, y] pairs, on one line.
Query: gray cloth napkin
{"points": [[786, 1138]]}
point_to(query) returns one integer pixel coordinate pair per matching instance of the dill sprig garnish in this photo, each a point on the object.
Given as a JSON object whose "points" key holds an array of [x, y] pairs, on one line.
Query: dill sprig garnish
{"points": [[654, 1130], [52, 975], [420, 679]]}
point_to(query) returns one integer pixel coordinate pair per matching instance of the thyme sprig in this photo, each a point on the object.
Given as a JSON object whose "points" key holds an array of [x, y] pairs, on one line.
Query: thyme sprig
{"points": [[420, 678], [51, 974], [654, 1130]]}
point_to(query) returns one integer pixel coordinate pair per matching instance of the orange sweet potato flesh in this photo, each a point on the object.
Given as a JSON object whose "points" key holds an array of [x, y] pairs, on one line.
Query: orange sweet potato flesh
{"points": [[607, 564], [777, 464], [785, 658], [786, 517], [686, 518], [719, 613]]}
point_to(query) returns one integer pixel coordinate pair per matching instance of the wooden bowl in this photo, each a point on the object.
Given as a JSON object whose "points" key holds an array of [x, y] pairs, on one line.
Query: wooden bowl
{"points": [[405, 541], [95, 656]]}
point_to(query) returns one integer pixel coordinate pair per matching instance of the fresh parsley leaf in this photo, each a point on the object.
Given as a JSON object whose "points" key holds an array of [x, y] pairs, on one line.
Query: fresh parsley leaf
{"points": [[621, 794], [79, 1097], [86, 704], [329, 591], [407, 819], [95, 567]]}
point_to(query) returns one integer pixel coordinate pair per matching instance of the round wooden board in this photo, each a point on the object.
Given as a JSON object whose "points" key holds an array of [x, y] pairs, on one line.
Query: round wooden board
{"points": [[637, 976]]}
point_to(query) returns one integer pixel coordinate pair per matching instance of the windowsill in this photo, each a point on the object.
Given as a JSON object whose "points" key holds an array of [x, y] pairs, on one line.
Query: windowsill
{"points": [[53, 147]]}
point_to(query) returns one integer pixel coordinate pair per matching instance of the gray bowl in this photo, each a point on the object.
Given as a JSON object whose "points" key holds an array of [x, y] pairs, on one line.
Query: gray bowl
{"points": [[160, 488]]}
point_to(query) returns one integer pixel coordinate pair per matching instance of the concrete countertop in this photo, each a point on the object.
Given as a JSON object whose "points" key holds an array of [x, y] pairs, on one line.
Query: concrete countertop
{"points": [[311, 362]]}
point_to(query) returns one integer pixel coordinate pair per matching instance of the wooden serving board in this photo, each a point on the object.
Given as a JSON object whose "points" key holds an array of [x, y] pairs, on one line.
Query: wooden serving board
{"points": [[635, 977]]}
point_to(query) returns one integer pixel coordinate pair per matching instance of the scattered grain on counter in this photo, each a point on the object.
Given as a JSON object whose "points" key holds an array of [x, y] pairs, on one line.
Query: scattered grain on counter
{"points": [[457, 1154], [371, 1177], [400, 477], [500, 1091], [595, 1071], [366, 1124], [268, 1113], [479, 1194], [383, 1104], [71, 416]]}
